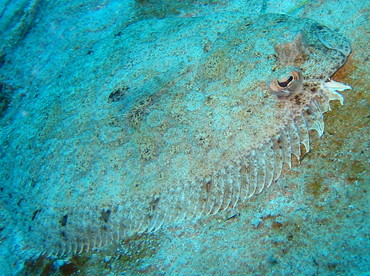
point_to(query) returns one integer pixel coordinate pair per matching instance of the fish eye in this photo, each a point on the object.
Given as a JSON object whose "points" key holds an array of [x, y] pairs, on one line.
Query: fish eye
{"points": [[286, 86], [285, 83]]}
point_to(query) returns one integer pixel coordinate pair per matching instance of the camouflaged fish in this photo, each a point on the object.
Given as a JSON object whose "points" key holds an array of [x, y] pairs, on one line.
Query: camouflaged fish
{"points": [[205, 141]]}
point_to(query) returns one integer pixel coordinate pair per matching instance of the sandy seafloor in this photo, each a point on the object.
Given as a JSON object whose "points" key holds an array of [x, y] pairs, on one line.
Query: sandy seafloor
{"points": [[314, 221]]}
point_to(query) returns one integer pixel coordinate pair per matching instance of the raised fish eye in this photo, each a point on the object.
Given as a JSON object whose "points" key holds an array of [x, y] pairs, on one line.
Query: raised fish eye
{"points": [[284, 87], [286, 82]]}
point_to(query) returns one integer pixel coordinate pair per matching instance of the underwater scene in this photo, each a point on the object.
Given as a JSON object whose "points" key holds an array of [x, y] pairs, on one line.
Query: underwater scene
{"points": [[214, 137]]}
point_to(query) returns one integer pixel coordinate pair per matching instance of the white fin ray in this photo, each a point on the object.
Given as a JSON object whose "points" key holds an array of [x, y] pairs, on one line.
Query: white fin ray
{"points": [[313, 118], [219, 192], [244, 180], [287, 146], [253, 174], [296, 140], [227, 193], [303, 131], [270, 163], [238, 186], [320, 125], [261, 172], [331, 88], [278, 158]]}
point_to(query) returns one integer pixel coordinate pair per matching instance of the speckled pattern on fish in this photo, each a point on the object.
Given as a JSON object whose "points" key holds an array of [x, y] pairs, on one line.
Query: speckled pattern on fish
{"points": [[170, 141]]}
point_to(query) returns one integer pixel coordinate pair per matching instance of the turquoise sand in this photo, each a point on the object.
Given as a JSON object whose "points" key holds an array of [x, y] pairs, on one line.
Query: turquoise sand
{"points": [[156, 137]]}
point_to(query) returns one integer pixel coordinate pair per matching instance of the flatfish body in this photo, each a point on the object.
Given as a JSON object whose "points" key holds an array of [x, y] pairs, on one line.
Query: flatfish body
{"points": [[197, 143]]}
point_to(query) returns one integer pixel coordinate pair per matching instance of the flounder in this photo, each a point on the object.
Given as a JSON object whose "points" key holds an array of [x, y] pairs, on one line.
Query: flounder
{"points": [[205, 141]]}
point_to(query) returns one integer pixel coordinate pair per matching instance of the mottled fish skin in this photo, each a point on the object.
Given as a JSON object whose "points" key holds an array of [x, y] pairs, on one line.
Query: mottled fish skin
{"points": [[214, 136]]}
